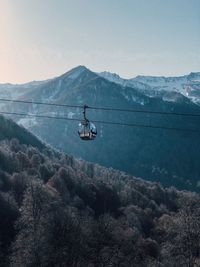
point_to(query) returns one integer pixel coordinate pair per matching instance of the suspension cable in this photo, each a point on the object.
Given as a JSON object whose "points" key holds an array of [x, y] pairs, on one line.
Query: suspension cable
{"points": [[101, 108], [104, 122]]}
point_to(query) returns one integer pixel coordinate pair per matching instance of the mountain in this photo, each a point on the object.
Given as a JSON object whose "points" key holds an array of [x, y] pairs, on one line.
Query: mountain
{"points": [[10, 130], [187, 85], [170, 157], [59, 211]]}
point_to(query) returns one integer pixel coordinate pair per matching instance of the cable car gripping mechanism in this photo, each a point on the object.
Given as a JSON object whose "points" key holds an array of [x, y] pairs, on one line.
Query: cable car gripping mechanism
{"points": [[84, 112]]}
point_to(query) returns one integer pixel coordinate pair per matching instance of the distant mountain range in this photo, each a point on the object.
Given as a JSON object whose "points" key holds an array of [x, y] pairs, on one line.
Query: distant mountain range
{"points": [[170, 157], [187, 85]]}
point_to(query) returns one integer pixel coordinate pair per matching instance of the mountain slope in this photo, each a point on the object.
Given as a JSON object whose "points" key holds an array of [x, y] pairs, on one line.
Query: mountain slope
{"points": [[170, 157], [58, 211], [187, 85], [10, 130]]}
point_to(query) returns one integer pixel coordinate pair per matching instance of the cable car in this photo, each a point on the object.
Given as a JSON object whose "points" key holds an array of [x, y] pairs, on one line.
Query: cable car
{"points": [[87, 130]]}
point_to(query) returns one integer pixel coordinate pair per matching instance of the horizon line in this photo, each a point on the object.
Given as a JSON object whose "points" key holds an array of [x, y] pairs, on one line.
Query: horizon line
{"points": [[97, 72]]}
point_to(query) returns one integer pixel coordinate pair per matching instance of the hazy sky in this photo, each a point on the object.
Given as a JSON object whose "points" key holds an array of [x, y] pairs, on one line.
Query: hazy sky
{"points": [[41, 39]]}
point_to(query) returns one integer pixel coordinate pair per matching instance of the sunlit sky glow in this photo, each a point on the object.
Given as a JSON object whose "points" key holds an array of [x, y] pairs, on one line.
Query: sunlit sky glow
{"points": [[40, 39]]}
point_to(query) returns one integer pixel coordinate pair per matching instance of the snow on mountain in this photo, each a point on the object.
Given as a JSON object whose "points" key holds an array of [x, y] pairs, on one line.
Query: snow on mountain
{"points": [[155, 86], [113, 77], [75, 72], [151, 86], [144, 88], [142, 148], [27, 122]]}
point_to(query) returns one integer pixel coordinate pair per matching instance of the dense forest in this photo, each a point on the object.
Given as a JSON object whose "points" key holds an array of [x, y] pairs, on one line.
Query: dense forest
{"points": [[59, 211]]}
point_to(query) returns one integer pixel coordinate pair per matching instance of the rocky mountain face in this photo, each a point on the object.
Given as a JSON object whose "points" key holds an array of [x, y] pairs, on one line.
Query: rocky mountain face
{"points": [[59, 211], [164, 87], [170, 157]]}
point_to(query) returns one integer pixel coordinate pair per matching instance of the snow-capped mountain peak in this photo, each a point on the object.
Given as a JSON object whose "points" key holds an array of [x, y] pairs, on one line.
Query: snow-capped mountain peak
{"points": [[155, 86], [112, 77], [194, 76], [75, 72]]}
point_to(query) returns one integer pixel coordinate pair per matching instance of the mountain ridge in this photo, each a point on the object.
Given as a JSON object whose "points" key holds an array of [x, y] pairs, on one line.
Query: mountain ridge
{"points": [[165, 156], [154, 86], [187, 85], [82, 67]]}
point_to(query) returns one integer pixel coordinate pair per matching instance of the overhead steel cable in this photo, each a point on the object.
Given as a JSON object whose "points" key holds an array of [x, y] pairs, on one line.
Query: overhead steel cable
{"points": [[146, 111], [101, 108], [38, 116], [104, 122], [40, 103], [51, 104]]}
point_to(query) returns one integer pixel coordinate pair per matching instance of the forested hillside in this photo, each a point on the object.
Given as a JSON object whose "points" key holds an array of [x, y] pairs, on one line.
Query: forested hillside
{"points": [[9, 130], [58, 211]]}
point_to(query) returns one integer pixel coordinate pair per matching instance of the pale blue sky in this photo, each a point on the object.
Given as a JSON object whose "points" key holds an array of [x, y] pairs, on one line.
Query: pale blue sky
{"points": [[40, 39]]}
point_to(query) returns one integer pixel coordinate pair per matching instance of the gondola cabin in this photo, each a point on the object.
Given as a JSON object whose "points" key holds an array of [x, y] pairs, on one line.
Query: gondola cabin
{"points": [[87, 130]]}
